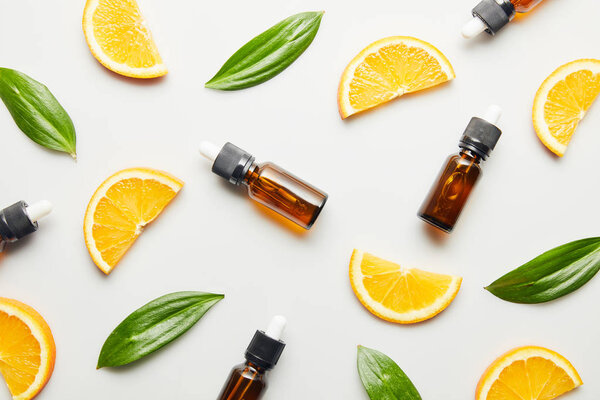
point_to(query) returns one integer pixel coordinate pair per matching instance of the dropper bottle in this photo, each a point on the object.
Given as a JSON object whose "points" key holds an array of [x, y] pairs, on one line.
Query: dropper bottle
{"points": [[267, 183], [247, 381], [20, 219], [491, 15], [451, 190]]}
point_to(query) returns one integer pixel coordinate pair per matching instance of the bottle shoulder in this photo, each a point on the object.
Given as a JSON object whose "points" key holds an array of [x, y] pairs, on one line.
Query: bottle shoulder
{"points": [[460, 163]]}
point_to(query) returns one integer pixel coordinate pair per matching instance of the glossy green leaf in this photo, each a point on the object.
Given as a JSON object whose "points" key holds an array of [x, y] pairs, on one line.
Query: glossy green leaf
{"points": [[154, 325], [551, 275], [37, 112], [268, 53], [382, 377]]}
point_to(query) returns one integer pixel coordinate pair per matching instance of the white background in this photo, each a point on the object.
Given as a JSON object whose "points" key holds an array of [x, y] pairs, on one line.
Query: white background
{"points": [[376, 167]]}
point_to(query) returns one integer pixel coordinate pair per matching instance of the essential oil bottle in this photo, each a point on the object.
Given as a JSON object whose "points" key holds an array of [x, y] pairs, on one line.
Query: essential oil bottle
{"points": [[247, 381], [267, 183], [450, 192], [491, 15], [20, 219]]}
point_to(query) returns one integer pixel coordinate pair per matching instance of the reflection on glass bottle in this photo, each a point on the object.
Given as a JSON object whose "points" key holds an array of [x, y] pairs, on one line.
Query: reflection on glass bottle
{"points": [[267, 183], [450, 192], [491, 15]]}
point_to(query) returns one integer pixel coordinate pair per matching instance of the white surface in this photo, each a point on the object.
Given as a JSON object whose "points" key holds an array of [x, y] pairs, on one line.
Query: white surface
{"points": [[376, 167], [492, 114], [38, 210], [472, 28], [276, 327], [209, 150]]}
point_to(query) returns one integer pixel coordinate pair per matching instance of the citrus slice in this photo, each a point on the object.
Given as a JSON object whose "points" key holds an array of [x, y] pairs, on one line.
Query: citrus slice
{"points": [[27, 350], [562, 101], [119, 38], [530, 372], [121, 207], [399, 294], [389, 68]]}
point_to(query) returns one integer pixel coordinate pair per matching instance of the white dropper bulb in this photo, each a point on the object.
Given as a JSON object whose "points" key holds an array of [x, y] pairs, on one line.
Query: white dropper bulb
{"points": [[276, 327], [39, 210], [209, 150], [473, 28], [492, 114]]}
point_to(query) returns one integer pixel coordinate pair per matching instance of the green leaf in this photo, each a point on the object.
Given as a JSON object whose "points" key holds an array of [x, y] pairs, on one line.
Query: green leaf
{"points": [[382, 377], [268, 53], [551, 275], [37, 112], [154, 325]]}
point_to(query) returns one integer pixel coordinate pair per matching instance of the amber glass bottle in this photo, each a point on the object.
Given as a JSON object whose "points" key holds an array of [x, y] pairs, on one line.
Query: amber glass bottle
{"points": [[523, 6], [450, 192], [491, 15], [247, 381], [447, 197], [267, 183]]}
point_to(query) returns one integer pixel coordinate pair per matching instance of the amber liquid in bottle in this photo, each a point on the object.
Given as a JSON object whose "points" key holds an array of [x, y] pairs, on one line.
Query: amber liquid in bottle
{"points": [[448, 196], [246, 382], [523, 6], [284, 193]]}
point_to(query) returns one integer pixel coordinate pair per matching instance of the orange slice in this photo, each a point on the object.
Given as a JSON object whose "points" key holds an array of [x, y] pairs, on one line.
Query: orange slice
{"points": [[121, 207], [27, 350], [389, 68], [531, 372], [562, 101], [399, 294], [119, 38]]}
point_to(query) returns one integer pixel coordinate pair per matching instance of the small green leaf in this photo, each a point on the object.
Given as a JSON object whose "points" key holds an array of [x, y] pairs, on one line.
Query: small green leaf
{"points": [[154, 325], [382, 377], [551, 275], [268, 53], [37, 112]]}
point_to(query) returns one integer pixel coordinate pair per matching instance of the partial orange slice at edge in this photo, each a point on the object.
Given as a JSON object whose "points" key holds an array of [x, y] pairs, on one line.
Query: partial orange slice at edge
{"points": [[562, 101], [529, 372], [27, 349], [119, 38]]}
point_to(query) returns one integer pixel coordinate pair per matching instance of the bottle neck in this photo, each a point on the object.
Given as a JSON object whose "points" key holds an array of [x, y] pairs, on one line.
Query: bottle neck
{"points": [[471, 155], [256, 367], [251, 175]]}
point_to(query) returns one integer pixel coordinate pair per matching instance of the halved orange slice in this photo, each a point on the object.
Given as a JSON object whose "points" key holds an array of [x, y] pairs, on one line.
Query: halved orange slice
{"points": [[562, 101], [389, 68], [118, 36], [27, 349], [121, 207], [530, 372], [399, 294]]}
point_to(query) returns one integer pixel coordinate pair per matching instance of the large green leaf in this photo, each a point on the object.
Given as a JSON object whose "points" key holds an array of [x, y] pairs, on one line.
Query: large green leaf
{"points": [[382, 377], [154, 325], [36, 111], [268, 53], [551, 275]]}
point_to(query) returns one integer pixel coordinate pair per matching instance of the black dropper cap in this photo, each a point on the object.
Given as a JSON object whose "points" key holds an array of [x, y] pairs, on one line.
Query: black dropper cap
{"points": [[15, 222], [481, 135], [266, 347], [232, 163], [264, 351], [494, 14]]}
